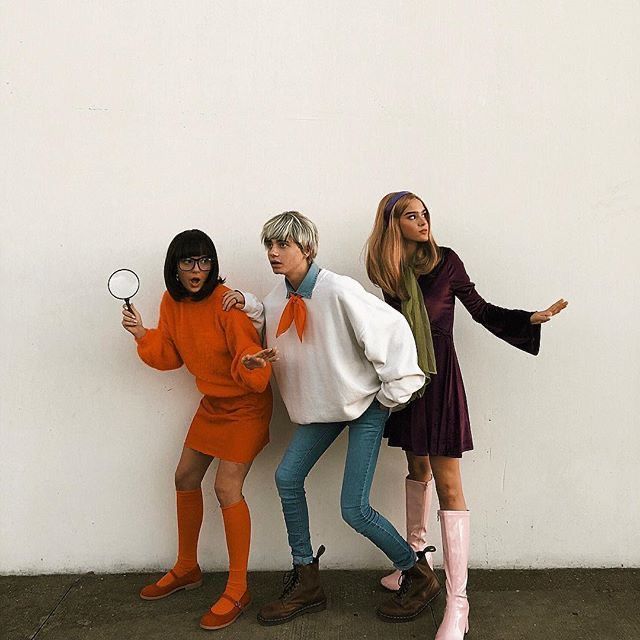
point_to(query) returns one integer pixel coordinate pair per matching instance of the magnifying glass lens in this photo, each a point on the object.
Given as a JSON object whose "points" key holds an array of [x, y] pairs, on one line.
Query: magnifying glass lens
{"points": [[123, 284]]}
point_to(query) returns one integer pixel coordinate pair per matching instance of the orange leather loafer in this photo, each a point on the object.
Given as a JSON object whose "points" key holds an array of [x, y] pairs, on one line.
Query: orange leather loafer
{"points": [[191, 580], [212, 620]]}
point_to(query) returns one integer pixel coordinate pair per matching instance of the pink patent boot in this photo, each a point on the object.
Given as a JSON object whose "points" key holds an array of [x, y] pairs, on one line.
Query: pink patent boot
{"points": [[418, 503], [455, 526]]}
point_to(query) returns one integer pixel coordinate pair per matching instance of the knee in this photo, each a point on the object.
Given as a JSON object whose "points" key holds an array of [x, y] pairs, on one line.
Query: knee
{"points": [[187, 480], [227, 492], [448, 492], [355, 516], [286, 479], [419, 468]]}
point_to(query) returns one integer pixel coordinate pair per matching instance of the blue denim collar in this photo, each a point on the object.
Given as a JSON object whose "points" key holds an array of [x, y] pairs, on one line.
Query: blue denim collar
{"points": [[306, 286]]}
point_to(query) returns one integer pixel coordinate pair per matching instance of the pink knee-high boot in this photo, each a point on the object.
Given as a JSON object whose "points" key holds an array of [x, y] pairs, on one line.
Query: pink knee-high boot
{"points": [[455, 526], [418, 503]]}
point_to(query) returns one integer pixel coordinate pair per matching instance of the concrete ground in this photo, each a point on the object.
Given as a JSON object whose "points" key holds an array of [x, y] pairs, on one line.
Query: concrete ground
{"points": [[529, 605]]}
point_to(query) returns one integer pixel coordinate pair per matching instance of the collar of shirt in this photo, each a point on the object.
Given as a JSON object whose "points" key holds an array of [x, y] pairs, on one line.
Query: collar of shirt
{"points": [[308, 283]]}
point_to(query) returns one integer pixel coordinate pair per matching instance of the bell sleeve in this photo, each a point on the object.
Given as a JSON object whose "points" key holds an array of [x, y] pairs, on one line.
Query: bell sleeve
{"points": [[156, 348], [511, 325], [242, 340]]}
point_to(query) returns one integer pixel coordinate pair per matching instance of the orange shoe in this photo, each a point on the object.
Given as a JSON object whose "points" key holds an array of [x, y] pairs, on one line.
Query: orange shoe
{"points": [[191, 580], [212, 620]]}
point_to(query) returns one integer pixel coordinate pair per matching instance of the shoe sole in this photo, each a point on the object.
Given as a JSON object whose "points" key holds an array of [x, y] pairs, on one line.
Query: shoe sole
{"points": [[222, 626], [312, 608], [186, 587], [226, 624], [413, 616]]}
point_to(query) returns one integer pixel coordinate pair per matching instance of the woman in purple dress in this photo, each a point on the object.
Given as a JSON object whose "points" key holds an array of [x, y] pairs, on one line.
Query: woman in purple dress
{"points": [[422, 280]]}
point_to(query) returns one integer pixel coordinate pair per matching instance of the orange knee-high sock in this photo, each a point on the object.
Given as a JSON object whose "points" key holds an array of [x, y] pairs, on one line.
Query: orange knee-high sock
{"points": [[237, 529], [189, 507]]}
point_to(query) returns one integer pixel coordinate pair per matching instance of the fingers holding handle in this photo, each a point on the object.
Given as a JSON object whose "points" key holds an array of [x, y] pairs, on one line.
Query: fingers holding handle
{"points": [[132, 320]]}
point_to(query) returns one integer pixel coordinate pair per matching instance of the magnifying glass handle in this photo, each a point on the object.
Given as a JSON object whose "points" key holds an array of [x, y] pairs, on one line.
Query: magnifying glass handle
{"points": [[126, 301]]}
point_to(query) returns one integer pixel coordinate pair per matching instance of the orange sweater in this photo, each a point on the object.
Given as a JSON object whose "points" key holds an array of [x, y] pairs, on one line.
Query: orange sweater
{"points": [[209, 341]]}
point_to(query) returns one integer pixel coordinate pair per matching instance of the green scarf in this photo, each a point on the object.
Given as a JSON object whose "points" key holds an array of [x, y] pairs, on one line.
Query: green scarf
{"points": [[415, 312]]}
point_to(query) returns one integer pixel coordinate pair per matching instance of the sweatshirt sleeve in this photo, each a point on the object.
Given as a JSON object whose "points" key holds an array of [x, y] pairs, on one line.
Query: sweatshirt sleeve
{"points": [[386, 339], [156, 348], [254, 310], [242, 339], [511, 325]]}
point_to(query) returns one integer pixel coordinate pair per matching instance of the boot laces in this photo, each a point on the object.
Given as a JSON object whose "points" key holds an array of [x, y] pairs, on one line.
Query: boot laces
{"points": [[290, 581], [405, 585]]}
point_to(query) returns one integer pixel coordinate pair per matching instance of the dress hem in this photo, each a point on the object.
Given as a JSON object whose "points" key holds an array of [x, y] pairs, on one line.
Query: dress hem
{"points": [[221, 456], [457, 454]]}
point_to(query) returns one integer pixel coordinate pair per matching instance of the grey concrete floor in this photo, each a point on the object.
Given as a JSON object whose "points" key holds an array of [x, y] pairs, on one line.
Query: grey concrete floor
{"points": [[529, 605]]}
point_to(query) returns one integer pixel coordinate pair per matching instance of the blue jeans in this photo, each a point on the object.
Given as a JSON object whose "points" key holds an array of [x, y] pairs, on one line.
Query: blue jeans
{"points": [[309, 442]]}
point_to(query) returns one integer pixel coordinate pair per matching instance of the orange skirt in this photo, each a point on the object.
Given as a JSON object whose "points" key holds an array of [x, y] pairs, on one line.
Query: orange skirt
{"points": [[234, 429]]}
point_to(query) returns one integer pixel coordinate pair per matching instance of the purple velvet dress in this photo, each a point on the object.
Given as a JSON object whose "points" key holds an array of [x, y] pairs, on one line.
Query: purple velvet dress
{"points": [[438, 423]]}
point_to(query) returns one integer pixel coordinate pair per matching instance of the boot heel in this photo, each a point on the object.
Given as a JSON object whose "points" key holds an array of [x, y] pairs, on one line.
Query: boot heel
{"points": [[316, 608], [466, 628], [322, 606]]}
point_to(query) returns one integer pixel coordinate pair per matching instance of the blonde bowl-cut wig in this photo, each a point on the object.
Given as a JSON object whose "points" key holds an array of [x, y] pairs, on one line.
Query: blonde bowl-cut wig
{"points": [[385, 248], [292, 225]]}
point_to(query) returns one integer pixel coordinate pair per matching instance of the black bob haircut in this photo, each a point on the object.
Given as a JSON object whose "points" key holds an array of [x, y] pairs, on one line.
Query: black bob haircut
{"points": [[186, 244]]}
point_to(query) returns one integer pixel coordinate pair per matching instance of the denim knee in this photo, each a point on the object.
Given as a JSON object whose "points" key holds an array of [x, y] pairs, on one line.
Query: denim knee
{"points": [[286, 480], [356, 516]]}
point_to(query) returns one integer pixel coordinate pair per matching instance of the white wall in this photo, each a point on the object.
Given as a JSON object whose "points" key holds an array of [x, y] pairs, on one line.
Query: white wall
{"points": [[124, 123]]}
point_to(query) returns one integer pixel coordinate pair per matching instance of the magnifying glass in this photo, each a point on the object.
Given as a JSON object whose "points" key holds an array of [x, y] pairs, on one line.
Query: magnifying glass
{"points": [[123, 284]]}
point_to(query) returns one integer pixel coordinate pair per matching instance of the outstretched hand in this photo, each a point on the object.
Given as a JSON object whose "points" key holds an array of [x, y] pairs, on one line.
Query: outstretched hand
{"points": [[259, 360], [544, 316], [232, 299]]}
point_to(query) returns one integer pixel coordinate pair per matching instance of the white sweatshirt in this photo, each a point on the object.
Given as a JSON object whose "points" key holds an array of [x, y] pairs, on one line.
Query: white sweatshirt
{"points": [[355, 348]]}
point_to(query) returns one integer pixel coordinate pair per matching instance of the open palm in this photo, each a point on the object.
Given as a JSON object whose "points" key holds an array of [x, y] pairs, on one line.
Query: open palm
{"points": [[544, 316], [259, 360]]}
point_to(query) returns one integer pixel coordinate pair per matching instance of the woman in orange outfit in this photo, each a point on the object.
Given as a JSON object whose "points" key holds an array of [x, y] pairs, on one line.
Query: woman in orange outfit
{"points": [[231, 423]]}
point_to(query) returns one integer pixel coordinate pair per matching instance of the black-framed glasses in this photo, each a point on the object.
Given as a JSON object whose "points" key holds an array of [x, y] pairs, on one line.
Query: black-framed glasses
{"points": [[188, 264]]}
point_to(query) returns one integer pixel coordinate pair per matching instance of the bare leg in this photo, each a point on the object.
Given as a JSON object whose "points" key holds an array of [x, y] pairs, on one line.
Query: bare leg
{"points": [[229, 481], [237, 527], [419, 467], [191, 469], [446, 472]]}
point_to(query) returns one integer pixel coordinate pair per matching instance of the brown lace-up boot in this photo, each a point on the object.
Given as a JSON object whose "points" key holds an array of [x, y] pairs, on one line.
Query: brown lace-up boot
{"points": [[302, 593], [418, 587]]}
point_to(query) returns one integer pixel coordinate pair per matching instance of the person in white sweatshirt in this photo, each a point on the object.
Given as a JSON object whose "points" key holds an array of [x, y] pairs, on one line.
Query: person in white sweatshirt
{"points": [[346, 360]]}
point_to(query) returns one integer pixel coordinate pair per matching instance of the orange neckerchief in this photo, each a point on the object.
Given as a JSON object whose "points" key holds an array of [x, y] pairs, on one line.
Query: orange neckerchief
{"points": [[294, 311]]}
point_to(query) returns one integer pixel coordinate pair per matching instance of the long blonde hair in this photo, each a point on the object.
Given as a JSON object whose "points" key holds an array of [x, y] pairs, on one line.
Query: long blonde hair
{"points": [[385, 249]]}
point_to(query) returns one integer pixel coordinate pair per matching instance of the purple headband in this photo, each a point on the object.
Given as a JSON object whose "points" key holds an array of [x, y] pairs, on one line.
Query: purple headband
{"points": [[392, 203]]}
